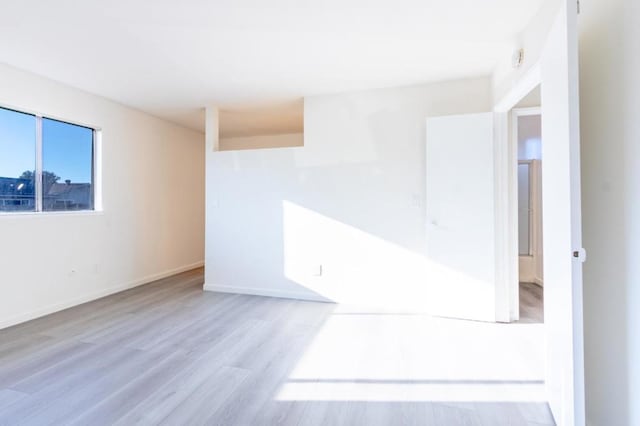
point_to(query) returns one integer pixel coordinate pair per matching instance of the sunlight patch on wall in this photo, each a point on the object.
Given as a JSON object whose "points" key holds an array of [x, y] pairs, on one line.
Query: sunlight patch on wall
{"points": [[348, 265]]}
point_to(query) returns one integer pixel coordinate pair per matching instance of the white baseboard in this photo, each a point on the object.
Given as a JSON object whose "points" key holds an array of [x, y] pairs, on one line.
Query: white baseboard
{"points": [[256, 291], [95, 295]]}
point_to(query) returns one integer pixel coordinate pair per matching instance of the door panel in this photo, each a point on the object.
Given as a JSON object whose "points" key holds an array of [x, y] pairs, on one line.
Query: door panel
{"points": [[460, 216], [561, 215]]}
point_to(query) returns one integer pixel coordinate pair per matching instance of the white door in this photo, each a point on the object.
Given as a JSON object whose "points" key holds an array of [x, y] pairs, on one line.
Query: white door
{"points": [[460, 216], [561, 216]]}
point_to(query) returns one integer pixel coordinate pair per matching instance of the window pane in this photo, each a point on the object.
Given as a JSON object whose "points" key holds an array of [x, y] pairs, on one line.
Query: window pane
{"points": [[67, 166], [17, 161]]}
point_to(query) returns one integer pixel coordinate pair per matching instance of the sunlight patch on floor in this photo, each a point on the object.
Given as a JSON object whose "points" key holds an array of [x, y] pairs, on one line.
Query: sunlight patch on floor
{"points": [[412, 392], [383, 356]]}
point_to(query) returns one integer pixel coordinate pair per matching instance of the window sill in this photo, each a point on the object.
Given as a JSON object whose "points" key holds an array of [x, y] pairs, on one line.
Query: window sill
{"points": [[50, 214]]}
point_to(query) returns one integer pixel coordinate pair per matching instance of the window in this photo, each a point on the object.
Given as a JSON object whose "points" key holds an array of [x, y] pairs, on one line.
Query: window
{"points": [[67, 166], [45, 165], [17, 161]]}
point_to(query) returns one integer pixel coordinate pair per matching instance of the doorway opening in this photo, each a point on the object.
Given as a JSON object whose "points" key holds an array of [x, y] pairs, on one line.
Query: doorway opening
{"points": [[527, 137]]}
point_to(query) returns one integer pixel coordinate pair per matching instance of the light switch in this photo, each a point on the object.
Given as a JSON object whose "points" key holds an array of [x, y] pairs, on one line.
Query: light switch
{"points": [[317, 271], [416, 201]]}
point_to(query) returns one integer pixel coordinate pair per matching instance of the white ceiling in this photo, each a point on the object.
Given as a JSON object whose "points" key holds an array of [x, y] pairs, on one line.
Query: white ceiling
{"points": [[171, 58]]}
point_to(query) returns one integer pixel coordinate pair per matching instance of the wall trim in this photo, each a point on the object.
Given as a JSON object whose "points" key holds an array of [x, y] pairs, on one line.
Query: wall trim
{"points": [[57, 307], [257, 291]]}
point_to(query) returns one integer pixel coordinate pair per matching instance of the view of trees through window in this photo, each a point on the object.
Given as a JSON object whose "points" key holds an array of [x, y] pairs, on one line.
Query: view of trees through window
{"points": [[66, 152]]}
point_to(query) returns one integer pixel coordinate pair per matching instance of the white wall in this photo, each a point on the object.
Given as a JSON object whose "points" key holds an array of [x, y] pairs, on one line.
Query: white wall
{"points": [[341, 218], [610, 107], [532, 40], [153, 196], [285, 140]]}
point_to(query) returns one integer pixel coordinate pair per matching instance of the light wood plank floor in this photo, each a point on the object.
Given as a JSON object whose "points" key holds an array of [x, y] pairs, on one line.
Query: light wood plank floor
{"points": [[169, 353], [531, 303]]}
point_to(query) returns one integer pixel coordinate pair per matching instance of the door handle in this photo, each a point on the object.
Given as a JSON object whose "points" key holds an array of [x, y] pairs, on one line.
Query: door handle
{"points": [[580, 254]]}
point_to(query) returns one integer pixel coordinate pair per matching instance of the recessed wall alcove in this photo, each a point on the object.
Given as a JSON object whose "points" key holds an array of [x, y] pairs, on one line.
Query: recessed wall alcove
{"points": [[276, 125]]}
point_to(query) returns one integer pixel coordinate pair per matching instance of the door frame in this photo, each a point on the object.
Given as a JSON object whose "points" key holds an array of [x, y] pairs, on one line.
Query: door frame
{"points": [[563, 326], [506, 196]]}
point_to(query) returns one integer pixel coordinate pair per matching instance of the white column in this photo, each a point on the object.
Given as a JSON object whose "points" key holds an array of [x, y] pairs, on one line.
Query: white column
{"points": [[211, 129], [211, 197]]}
